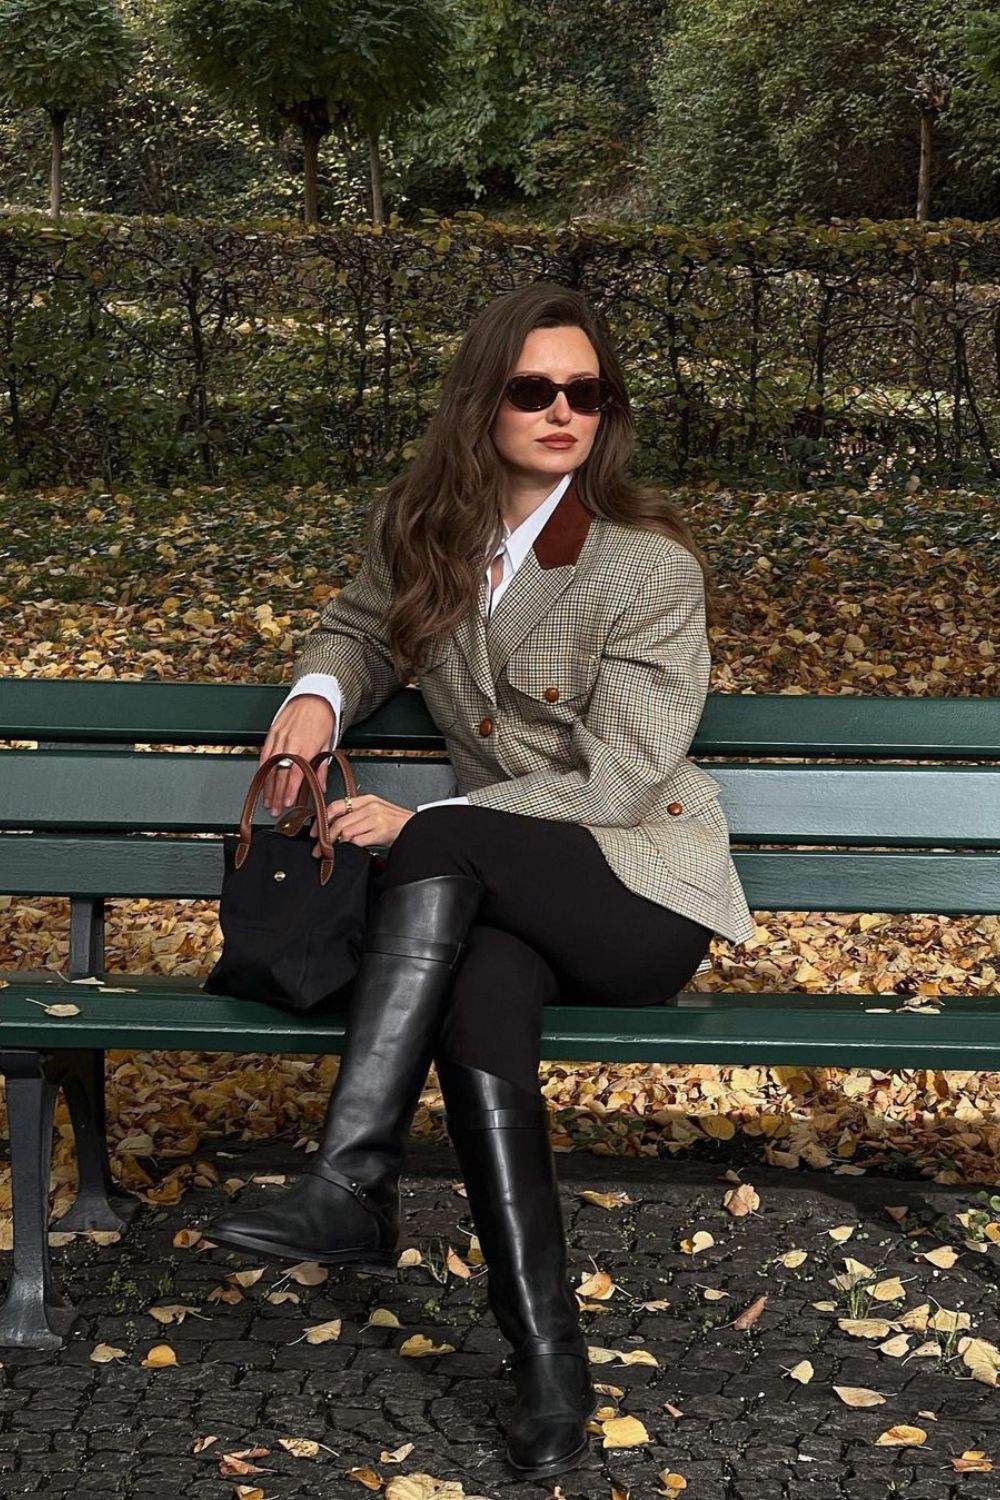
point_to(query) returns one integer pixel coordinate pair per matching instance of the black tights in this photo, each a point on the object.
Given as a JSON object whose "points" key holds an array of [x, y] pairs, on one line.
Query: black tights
{"points": [[556, 925]]}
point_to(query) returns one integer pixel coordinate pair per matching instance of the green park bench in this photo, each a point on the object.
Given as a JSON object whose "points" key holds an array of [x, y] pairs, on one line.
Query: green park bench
{"points": [[853, 804]]}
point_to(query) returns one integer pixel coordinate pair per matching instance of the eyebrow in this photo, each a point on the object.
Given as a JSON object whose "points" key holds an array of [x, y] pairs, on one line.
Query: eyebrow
{"points": [[580, 374]]}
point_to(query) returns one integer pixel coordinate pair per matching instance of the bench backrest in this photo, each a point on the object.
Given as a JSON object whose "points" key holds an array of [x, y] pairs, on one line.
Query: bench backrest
{"points": [[859, 804]]}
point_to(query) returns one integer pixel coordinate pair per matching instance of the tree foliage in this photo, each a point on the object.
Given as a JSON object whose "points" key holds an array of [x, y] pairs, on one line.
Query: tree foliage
{"points": [[784, 107], [319, 65], [59, 55], [537, 104]]}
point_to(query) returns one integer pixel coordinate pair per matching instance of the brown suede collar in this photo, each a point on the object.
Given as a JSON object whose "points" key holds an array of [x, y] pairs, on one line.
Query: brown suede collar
{"points": [[561, 539]]}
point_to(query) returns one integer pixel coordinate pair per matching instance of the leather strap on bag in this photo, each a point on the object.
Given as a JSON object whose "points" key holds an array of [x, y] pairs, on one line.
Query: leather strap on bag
{"points": [[311, 781], [291, 821]]}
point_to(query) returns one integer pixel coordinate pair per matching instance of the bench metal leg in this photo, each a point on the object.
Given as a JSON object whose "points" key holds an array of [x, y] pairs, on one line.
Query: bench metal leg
{"points": [[34, 1315], [99, 1203], [86, 936]]}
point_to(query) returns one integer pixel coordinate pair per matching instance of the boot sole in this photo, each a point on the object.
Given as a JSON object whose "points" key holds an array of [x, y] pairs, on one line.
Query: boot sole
{"points": [[556, 1465], [375, 1262]]}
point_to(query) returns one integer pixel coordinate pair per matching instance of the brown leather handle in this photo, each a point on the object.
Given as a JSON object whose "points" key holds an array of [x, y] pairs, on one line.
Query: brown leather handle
{"points": [[311, 781], [291, 822]]}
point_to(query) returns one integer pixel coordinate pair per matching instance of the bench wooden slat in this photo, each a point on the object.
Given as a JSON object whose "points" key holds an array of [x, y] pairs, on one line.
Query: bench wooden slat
{"points": [[943, 806], [774, 880], [780, 1029], [733, 724], [856, 881], [186, 713], [174, 793]]}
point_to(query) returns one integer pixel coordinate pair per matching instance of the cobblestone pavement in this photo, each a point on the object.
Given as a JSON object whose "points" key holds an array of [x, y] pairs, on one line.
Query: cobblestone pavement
{"points": [[718, 1405]]}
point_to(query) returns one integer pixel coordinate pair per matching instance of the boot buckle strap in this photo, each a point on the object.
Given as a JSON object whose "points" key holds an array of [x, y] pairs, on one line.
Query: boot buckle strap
{"points": [[497, 1119], [548, 1346], [355, 1188], [400, 945]]}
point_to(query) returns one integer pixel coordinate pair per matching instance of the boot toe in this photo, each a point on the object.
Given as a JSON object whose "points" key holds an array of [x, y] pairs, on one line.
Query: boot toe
{"points": [[261, 1231], [539, 1445], [314, 1220]]}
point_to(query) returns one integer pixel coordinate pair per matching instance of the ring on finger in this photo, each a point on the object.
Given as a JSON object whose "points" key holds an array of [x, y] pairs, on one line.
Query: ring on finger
{"points": [[284, 761], [348, 804]]}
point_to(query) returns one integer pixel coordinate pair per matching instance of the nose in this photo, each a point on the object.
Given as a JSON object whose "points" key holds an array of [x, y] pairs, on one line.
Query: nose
{"points": [[560, 410]]}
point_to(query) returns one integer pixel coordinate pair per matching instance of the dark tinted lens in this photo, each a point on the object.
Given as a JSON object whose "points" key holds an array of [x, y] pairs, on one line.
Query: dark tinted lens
{"points": [[586, 395], [531, 392]]}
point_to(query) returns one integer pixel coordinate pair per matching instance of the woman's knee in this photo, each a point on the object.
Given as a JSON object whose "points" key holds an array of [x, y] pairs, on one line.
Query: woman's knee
{"points": [[494, 1019], [430, 843]]}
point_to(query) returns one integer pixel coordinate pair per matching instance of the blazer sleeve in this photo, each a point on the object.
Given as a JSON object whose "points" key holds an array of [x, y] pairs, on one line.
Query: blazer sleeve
{"points": [[350, 641], [647, 702]]}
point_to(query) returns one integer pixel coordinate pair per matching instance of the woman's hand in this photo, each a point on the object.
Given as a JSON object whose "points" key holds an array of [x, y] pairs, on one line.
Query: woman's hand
{"points": [[304, 727], [371, 821]]}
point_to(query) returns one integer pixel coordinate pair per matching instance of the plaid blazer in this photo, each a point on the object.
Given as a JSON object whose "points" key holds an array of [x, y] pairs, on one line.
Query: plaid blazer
{"points": [[578, 700]]}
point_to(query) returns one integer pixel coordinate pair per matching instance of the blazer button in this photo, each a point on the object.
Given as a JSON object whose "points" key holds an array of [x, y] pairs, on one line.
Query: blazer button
{"points": [[551, 695], [485, 727], [673, 808]]}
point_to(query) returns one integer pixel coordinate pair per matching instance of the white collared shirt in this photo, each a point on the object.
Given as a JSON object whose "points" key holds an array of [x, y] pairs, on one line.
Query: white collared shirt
{"points": [[514, 548]]}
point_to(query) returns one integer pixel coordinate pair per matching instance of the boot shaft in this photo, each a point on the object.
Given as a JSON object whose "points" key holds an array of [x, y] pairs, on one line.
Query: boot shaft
{"points": [[501, 1137], [413, 945]]}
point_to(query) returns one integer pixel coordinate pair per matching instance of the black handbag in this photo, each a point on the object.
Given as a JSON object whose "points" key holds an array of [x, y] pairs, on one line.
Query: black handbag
{"points": [[292, 925]]}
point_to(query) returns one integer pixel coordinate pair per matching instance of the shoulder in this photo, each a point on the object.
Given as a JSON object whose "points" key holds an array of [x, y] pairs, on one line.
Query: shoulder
{"points": [[643, 554]]}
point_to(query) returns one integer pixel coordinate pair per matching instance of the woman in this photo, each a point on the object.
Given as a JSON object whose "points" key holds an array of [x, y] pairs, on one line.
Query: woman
{"points": [[555, 615]]}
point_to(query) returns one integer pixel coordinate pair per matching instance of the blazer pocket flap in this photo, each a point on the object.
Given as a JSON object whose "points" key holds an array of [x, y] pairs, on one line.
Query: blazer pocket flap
{"points": [[555, 677]]}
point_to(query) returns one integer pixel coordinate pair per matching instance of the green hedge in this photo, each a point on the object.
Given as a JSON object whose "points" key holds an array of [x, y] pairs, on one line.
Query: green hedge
{"points": [[161, 348]]}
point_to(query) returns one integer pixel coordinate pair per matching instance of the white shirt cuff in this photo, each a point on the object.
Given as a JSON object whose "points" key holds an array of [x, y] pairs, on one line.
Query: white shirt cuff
{"points": [[445, 802], [322, 685]]}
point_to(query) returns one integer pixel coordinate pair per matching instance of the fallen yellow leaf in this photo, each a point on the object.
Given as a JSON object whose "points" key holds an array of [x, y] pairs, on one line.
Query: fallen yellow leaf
{"points": [[381, 1317], [866, 1328], [598, 1285], [624, 1432], [170, 1312], [742, 1200], [308, 1273], [417, 1346], [609, 1201], [367, 1477], [159, 1357], [457, 1267], [944, 1257], [300, 1447], [103, 1354], [858, 1395], [673, 1484], [901, 1437], [972, 1461], [324, 1333], [702, 1240], [397, 1456]]}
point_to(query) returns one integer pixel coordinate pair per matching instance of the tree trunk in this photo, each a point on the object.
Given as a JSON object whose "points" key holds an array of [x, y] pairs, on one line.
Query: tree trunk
{"points": [[58, 118], [375, 167], [919, 372], [153, 179], [924, 180], [310, 144]]}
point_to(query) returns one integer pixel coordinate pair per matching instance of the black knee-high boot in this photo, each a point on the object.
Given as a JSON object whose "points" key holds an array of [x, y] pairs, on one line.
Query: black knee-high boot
{"points": [[501, 1137], [345, 1208]]}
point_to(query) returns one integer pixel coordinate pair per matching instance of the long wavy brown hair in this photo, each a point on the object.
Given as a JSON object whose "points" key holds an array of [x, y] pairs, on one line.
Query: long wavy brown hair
{"points": [[444, 513]]}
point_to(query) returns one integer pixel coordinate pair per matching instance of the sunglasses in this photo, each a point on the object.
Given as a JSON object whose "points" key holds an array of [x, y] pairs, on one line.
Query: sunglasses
{"points": [[589, 394]]}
